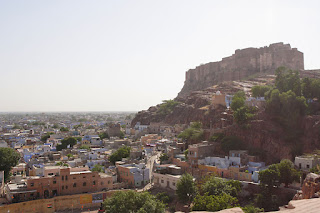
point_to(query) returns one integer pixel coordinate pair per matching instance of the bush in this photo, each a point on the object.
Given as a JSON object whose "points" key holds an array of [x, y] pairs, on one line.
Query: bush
{"points": [[134, 202]]}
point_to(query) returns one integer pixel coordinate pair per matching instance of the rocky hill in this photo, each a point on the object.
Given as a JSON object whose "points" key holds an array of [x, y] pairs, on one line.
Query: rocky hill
{"points": [[241, 64]]}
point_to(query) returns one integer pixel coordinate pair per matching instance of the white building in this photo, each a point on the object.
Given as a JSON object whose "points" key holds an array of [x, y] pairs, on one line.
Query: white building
{"points": [[306, 162], [222, 163], [166, 180]]}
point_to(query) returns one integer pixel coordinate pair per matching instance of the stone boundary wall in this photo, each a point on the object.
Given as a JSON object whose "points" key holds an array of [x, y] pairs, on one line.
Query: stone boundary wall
{"points": [[59, 203]]}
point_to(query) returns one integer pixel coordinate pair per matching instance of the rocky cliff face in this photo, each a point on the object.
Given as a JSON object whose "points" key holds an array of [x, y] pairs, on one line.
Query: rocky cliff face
{"points": [[241, 64], [266, 135]]}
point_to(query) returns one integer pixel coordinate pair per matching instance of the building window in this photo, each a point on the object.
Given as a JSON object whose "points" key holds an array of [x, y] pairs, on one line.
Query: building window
{"points": [[31, 184], [173, 184], [101, 183], [66, 187], [74, 185], [308, 166], [84, 177], [62, 178], [108, 181], [93, 176], [84, 184], [162, 181], [54, 182], [62, 187], [74, 178], [94, 182], [66, 177]]}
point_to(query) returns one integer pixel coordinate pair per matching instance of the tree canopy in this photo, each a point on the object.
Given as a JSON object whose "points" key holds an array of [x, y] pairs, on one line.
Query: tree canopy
{"points": [[260, 90], [8, 159], [167, 107], [134, 202], [193, 133], [216, 194], [216, 186], [186, 188], [97, 168], [104, 135], [122, 152], [65, 142], [46, 136], [164, 157]]}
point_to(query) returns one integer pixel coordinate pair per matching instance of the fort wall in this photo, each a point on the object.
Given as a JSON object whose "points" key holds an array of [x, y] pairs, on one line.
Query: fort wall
{"points": [[241, 64]]}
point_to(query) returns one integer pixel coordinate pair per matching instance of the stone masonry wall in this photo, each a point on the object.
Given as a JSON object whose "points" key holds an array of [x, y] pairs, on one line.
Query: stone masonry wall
{"points": [[241, 64]]}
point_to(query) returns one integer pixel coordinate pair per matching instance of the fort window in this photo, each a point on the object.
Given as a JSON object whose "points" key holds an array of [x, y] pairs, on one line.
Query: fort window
{"points": [[54, 182], [31, 184], [84, 184], [66, 187], [62, 187], [62, 178], [108, 181], [74, 185], [74, 178], [94, 182], [66, 177]]}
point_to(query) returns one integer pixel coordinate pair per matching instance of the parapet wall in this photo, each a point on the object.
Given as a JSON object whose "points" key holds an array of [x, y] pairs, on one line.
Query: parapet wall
{"points": [[66, 203], [241, 64]]}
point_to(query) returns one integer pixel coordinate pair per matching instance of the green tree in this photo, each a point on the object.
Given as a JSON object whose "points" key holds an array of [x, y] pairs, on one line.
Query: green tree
{"points": [[231, 143], [288, 80], [64, 129], [260, 90], [216, 186], [167, 107], [237, 103], [193, 133], [121, 136], [122, 152], [61, 164], [104, 135], [97, 168], [186, 188], [134, 202], [252, 209], [241, 115], [186, 154], [8, 159], [163, 157], [163, 197], [214, 202], [85, 147], [65, 142], [270, 177], [46, 136], [70, 155], [288, 173]]}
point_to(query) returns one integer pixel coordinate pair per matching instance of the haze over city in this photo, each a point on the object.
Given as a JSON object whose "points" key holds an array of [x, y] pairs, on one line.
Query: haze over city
{"points": [[129, 55]]}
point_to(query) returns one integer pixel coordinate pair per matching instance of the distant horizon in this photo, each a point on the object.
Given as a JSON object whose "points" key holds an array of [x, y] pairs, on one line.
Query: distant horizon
{"points": [[80, 56]]}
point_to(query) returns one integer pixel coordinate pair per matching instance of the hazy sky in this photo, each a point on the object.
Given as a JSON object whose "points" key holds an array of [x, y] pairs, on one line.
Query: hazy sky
{"points": [[128, 55]]}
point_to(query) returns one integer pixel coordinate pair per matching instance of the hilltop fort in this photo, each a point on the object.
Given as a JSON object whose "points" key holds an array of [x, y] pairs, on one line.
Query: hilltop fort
{"points": [[241, 64]]}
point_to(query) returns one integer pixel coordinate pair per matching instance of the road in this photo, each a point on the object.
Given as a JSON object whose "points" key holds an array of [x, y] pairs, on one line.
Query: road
{"points": [[149, 165]]}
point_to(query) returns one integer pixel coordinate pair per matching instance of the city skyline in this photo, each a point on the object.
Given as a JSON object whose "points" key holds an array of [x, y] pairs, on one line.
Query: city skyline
{"points": [[126, 56]]}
